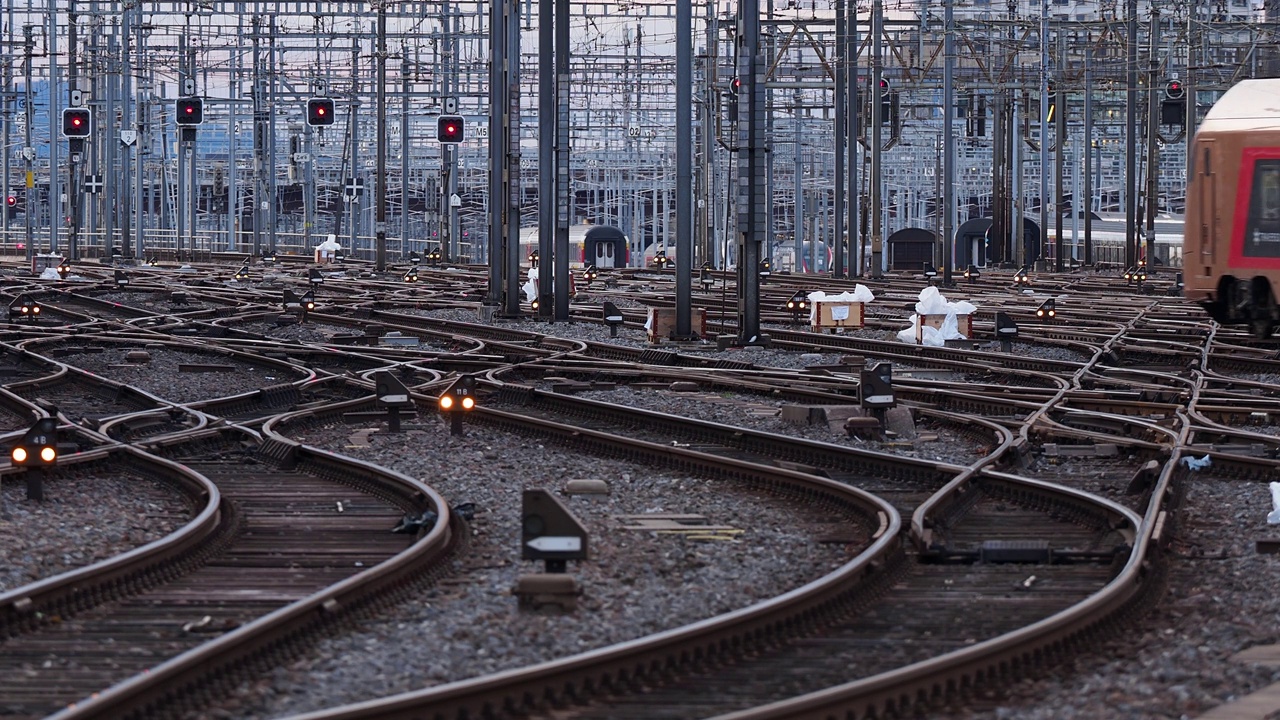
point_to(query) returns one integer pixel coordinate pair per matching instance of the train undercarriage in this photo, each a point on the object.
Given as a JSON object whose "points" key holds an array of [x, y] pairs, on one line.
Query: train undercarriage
{"points": [[1251, 303]]}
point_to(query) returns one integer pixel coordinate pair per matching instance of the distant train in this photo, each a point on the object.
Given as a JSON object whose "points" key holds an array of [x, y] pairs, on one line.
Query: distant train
{"points": [[1231, 250], [604, 246]]}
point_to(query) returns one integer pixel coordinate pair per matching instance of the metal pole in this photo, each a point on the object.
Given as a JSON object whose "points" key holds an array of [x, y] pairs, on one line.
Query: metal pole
{"points": [[272, 196], [547, 125], [1131, 140], [55, 120], [7, 120], [1153, 151], [684, 168], [1044, 134], [877, 72], [797, 228], [405, 147], [948, 141], [141, 140], [180, 219], [841, 124], [380, 175], [753, 201], [497, 152], [29, 149], [564, 196], [1088, 152], [852, 121], [1060, 151], [75, 153]]}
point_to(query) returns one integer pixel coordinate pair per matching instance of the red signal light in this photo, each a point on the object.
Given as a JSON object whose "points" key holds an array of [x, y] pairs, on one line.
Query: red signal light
{"points": [[11, 201]]}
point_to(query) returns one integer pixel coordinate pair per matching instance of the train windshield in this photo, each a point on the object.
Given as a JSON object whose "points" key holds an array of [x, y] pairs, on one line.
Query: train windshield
{"points": [[1262, 231]]}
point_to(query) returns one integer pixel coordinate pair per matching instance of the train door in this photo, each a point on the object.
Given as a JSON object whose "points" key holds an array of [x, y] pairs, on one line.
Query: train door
{"points": [[1208, 206], [605, 252]]}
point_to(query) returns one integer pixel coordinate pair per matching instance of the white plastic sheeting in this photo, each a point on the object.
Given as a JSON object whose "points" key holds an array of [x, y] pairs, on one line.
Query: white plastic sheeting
{"points": [[932, 302]]}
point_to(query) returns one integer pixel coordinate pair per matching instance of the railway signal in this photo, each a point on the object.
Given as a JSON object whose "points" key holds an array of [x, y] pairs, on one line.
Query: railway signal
{"points": [[1173, 106], [1006, 331], [612, 317], [1021, 277], [589, 274], [77, 122], [457, 399], [24, 308], [549, 531], [450, 129], [798, 303], [704, 277], [190, 111], [392, 395], [37, 448], [411, 275], [320, 111], [971, 273], [1048, 310], [766, 269]]}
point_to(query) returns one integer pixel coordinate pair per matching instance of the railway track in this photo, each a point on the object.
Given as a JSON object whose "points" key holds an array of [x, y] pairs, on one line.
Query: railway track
{"points": [[1041, 519]]}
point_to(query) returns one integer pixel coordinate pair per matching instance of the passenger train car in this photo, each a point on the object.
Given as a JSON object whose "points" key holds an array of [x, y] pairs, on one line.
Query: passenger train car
{"points": [[604, 246], [1231, 252]]}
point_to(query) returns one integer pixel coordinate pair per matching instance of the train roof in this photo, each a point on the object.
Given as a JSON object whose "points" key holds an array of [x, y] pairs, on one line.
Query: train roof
{"points": [[577, 233], [1248, 105]]}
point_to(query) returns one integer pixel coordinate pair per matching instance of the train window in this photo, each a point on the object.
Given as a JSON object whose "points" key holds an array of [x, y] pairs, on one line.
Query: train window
{"points": [[1262, 231]]}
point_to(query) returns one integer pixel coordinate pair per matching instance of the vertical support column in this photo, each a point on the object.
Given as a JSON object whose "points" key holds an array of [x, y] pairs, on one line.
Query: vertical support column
{"points": [[753, 205], [380, 202], [797, 170], [1060, 133], [1088, 153], [75, 150], [185, 82], [548, 123], [353, 135], [139, 124], [28, 149], [1153, 149], [684, 169], [511, 168], [1131, 140], [260, 137], [853, 120], [948, 142], [497, 159], [1042, 253], [877, 72], [564, 181], [194, 204], [710, 198], [1193, 47], [451, 158], [55, 121], [111, 205], [6, 121], [404, 150], [841, 70], [272, 196]]}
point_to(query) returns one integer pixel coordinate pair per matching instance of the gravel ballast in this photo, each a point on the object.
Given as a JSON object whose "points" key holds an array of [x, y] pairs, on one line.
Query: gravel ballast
{"points": [[636, 582], [86, 516]]}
